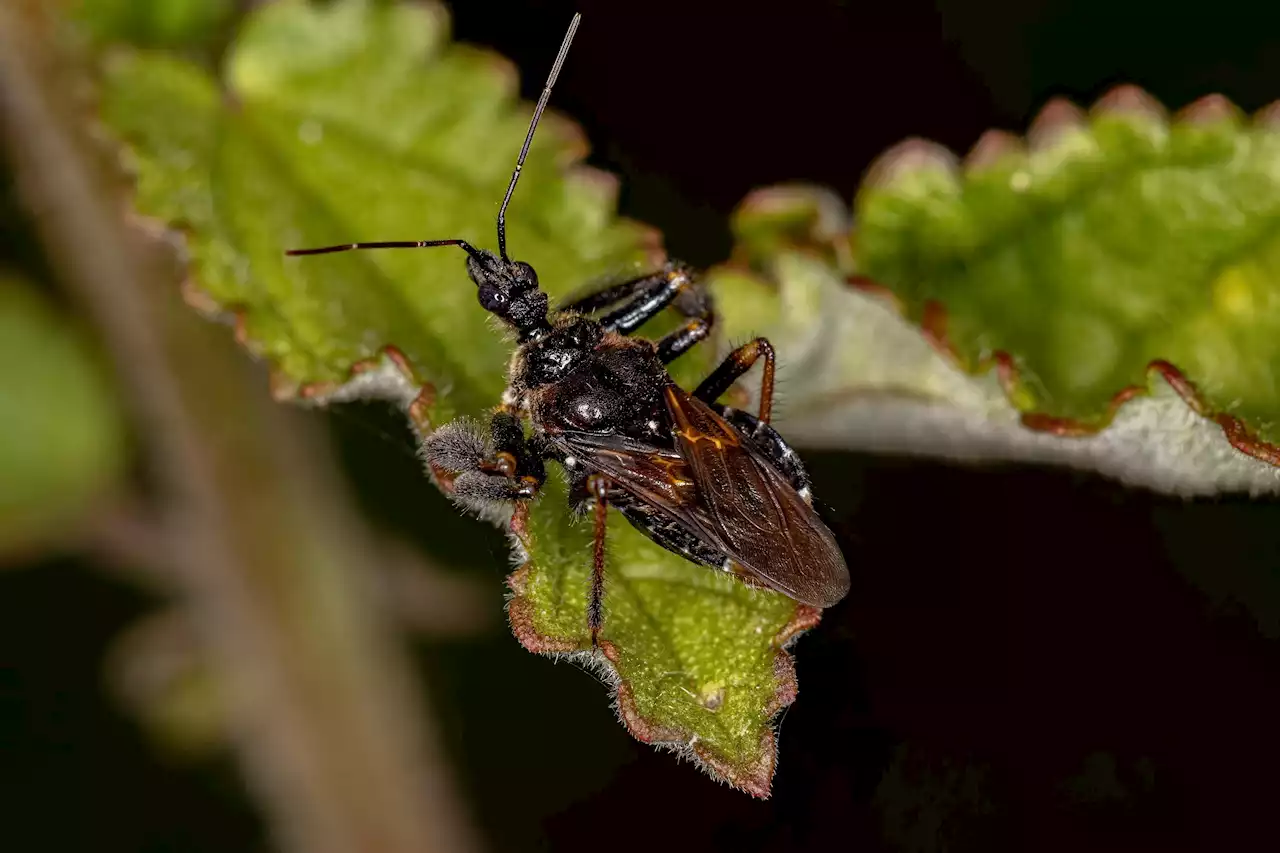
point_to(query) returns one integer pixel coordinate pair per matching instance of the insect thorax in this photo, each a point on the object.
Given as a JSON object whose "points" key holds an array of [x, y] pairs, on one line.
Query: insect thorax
{"points": [[580, 378]]}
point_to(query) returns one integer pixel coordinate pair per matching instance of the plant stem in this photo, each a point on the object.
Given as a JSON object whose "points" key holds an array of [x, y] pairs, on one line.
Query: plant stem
{"points": [[274, 564]]}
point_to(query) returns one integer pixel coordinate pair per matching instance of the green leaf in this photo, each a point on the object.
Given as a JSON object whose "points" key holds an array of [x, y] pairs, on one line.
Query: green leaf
{"points": [[357, 121], [167, 23], [700, 655], [1106, 296], [63, 438]]}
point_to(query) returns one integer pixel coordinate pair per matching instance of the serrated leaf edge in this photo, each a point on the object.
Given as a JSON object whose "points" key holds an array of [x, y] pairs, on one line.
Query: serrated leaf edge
{"points": [[755, 778], [1059, 115], [933, 325], [575, 148]]}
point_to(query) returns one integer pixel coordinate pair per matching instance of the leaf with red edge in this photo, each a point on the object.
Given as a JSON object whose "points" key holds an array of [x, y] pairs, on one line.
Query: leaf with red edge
{"points": [[1104, 294]]}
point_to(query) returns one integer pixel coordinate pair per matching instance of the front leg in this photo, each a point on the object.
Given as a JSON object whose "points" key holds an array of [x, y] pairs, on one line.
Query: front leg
{"points": [[613, 294], [485, 470], [514, 455], [645, 297]]}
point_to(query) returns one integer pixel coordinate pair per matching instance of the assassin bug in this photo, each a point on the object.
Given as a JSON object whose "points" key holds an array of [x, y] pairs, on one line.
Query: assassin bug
{"points": [[716, 485]]}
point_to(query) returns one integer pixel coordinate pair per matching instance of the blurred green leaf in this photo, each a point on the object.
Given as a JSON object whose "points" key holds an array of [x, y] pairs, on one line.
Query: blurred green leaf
{"points": [[157, 669], [63, 441], [154, 23], [1106, 296], [1115, 242], [356, 121]]}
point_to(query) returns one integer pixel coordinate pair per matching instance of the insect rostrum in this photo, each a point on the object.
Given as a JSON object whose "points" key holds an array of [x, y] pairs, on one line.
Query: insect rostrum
{"points": [[716, 485]]}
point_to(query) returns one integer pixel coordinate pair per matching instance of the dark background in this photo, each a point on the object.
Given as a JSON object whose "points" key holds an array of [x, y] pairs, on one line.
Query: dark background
{"points": [[1029, 659]]}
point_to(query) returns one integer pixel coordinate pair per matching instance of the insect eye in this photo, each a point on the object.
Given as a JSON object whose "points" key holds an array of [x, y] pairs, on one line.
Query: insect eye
{"points": [[491, 298], [526, 275]]}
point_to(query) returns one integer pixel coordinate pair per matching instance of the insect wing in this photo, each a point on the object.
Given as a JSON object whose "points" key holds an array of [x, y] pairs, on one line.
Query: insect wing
{"points": [[658, 477], [756, 515]]}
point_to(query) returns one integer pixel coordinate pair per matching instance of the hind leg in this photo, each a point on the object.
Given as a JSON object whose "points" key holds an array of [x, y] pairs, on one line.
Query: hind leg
{"points": [[772, 445], [662, 529], [652, 522]]}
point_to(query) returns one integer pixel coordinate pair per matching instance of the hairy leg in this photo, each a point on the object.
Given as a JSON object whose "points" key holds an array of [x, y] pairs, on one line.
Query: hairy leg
{"points": [[598, 486], [488, 469], [738, 363]]}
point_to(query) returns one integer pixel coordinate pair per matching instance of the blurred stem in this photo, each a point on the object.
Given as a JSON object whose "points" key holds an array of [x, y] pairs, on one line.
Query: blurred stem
{"points": [[122, 537], [323, 709]]}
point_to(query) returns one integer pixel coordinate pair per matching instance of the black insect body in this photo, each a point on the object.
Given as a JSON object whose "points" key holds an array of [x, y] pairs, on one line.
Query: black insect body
{"points": [[716, 485]]}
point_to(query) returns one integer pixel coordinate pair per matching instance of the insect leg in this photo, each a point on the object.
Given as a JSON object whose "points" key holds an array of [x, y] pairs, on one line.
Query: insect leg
{"points": [[659, 526], [677, 285], [664, 530], [772, 445], [645, 297], [512, 451], [610, 296], [738, 363], [684, 339], [693, 302], [599, 488], [485, 469]]}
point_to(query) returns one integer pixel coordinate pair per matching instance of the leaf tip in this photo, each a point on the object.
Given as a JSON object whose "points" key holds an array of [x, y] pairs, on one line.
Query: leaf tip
{"points": [[1130, 100], [521, 617], [756, 778], [992, 147], [420, 409], [1269, 116], [933, 325], [805, 618], [1244, 440], [313, 391], [910, 155], [1211, 109], [1056, 119], [1236, 431], [823, 207], [797, 215]]}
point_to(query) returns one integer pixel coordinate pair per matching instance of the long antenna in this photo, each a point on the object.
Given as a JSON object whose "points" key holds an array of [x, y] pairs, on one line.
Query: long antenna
{"points": [[515, 176], [394, 244], [533, 125]]}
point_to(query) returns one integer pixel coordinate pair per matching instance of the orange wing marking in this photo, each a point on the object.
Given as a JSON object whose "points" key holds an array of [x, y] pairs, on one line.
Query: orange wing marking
{"points": [[692, 434], [668, 465]]}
